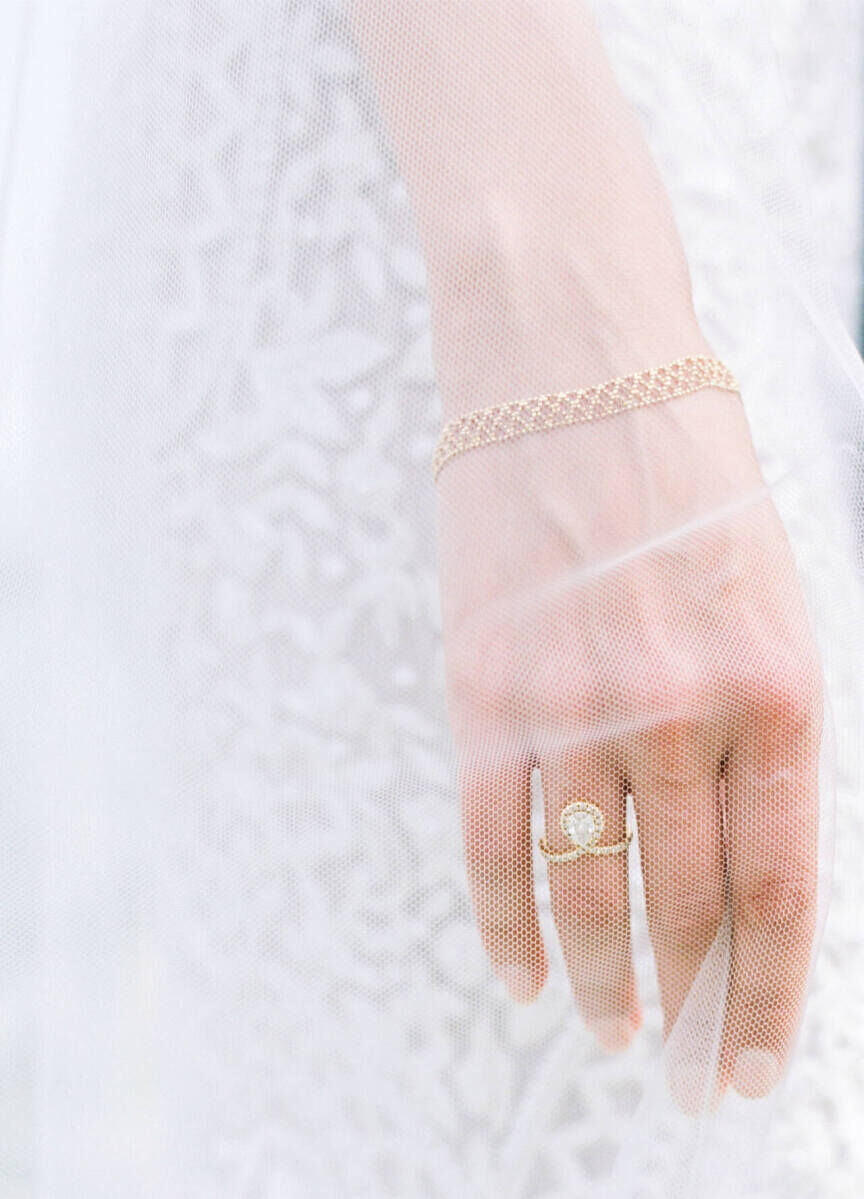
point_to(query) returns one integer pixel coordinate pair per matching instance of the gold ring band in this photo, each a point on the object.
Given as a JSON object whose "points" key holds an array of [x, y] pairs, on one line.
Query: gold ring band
{"points": [[582, 823], [568, 855]]}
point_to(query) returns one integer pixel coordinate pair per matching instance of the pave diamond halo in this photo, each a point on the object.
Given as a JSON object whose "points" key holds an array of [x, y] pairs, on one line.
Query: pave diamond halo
{"points": [[582, 822]]}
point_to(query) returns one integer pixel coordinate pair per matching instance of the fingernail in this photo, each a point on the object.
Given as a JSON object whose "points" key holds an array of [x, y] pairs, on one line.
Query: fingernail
{"points": [[756, 1072], [613, 1032], [518, 980]]}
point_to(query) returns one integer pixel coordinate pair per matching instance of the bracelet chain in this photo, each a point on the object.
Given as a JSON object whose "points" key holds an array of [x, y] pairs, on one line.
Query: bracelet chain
{"points": [[501, 422]]}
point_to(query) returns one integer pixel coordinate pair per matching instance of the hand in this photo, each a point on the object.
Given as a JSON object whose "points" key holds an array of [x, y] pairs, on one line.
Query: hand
{"points": [[621, 609]]}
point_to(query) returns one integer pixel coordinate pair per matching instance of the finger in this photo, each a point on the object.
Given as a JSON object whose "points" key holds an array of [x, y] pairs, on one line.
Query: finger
{"points": [[589, 895], [772, 837], [675, 786], [674, 782], [495, 791]]}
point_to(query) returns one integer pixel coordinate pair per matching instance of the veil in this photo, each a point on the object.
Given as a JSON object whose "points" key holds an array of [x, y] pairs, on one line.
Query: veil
{"points": [[281, 712]]}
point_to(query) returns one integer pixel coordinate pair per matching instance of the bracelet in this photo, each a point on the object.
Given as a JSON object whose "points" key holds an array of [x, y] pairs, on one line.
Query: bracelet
{"points": [[501, 422]]}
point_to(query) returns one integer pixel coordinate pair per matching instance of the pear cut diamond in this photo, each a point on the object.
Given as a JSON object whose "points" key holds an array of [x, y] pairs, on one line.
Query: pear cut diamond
{"points": [[583, 823], [580, 828]]}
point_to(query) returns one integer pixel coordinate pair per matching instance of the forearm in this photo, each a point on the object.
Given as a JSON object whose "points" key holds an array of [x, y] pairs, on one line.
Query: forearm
{"points": [[541, 211]]}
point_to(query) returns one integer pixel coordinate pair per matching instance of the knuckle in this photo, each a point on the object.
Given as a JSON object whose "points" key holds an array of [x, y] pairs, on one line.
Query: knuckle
{"points": [[690, 921], [672, 757], [591, 907], [493, 840], [778, 897], [497, 853], [676, 689], [671, 701], [498, 935], [477, 689], [674, 735], [561, 695], [786, 696], [494, 860], [790, 702], [499, 926]]}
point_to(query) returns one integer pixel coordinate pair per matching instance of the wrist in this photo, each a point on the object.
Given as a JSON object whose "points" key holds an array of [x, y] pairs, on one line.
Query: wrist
{"points": [[515, 322]]}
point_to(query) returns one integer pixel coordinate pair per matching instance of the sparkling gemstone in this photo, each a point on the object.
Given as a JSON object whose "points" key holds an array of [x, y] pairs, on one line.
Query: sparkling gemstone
{"points": [[580, 827]]}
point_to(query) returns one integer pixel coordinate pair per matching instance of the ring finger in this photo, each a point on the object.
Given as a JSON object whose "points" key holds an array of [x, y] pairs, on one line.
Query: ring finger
{"points": [[589, 894]]}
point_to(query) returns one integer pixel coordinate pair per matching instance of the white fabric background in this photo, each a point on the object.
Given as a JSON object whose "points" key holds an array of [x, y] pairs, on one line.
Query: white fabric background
{"points": [[275, 692]]}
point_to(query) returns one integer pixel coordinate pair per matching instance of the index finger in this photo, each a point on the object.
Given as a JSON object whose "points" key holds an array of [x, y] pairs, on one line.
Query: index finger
{"points": [[495, 791]]}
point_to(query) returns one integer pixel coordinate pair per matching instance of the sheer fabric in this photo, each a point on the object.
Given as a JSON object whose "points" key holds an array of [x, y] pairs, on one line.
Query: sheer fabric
{"points": [[275, 706]]}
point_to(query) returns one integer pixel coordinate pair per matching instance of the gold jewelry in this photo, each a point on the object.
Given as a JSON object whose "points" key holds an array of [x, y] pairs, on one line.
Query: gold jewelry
{"points": [[582, 823], [501, 422]]}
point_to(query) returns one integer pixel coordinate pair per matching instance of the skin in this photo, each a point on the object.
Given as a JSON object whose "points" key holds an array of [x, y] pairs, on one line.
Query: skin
{"points": [[660, 647], [621, 607]]}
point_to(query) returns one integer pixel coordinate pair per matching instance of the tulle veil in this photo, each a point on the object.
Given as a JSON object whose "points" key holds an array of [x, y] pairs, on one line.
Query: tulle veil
{"points": [[238, 951]]}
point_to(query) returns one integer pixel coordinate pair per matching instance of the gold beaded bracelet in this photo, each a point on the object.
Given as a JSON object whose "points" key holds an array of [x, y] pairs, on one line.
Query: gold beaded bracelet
{"points": [[501, 422]]}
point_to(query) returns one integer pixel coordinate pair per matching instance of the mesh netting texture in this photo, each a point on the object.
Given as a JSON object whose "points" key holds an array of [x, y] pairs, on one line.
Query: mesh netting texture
{"points": [[294, 725]]}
